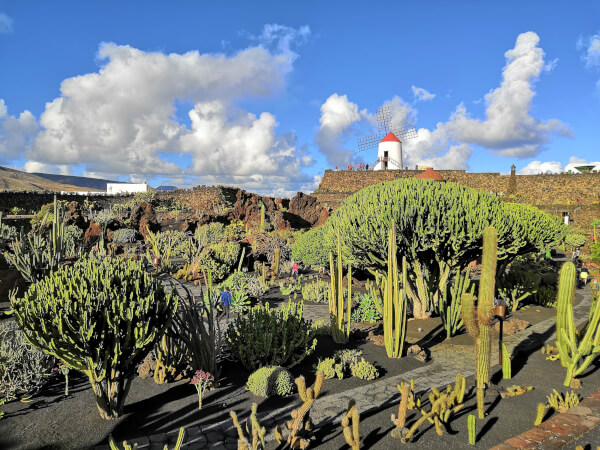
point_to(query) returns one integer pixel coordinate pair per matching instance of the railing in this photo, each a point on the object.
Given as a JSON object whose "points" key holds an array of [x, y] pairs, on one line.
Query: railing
{"points": [[387, 159]]}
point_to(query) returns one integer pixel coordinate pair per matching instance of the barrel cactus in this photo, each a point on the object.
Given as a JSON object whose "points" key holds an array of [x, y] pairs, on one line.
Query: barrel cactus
{"points": [[99, 317]]}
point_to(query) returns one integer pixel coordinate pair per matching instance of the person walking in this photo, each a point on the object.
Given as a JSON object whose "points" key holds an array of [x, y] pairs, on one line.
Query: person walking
{"points": [[576, 254], [295, 270], [226, 303]]}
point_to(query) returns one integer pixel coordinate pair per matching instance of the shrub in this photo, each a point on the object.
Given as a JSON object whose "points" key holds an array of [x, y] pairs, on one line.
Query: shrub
{"points": [[575, 239], [218, 259], [366, 311], [23, 368], [317, 291], [595, 251], [73, 239], [346, 362], [124, 236], [209, 234], [166, 245], [46, 213], [271, 337], [103, 217], [235, 230], [101, 318], [310, 248], [269, 381]]}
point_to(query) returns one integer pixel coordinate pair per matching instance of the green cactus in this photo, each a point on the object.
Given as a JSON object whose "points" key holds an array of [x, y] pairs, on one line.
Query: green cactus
{"points": [[262, 217], [178, 444], [450, 313], [394, 303], [276, 256], [540, 413], [506, 364], [336, 298], [478, 320], [101, 318], [577, 350], [352, 433], [254, 430], [471, 425]]}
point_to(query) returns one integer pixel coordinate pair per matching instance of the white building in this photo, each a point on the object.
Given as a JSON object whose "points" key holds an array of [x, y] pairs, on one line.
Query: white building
{"points": [[581, 168], [125, 188], [389, 154]]}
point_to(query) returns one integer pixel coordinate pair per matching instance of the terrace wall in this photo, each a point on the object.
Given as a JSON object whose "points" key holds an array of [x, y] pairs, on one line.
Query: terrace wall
{"points": [[32, 201]]}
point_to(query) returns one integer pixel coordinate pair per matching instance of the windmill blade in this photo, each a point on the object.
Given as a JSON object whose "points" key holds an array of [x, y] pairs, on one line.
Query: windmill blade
{"points": [[408, 131], [384, 119], [368, 142]]}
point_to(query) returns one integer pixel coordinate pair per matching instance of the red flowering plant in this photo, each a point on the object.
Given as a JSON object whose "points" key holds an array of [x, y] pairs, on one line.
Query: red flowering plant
{"points": [[202, 380]]}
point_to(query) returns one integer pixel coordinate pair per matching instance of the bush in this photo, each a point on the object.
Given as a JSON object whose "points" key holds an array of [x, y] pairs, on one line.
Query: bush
{"points": [[346, 362], [267, 337], [209, 234], [73, 239], [23, 368], [124, 236], [218, 259], [166, 245], [101, 318], [269, 381], [595, 251], [311, 249], [575, 239], [103, 217], [366, 311], [317, 291]]}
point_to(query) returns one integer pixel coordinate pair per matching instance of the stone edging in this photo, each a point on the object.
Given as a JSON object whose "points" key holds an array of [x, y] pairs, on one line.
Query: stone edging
{"points": [[561, 429]]}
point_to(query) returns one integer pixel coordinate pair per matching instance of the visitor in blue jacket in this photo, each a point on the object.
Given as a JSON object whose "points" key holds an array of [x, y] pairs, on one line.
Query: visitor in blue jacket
{"points": [[226, 303]]}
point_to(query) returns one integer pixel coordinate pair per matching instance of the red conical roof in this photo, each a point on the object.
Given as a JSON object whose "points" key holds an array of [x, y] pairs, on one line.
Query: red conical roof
{"points": [[390, 137], [430, 174]]}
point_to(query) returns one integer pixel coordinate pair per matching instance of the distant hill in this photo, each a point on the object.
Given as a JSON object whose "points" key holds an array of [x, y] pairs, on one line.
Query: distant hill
{"points": [[84, 182], [166, 188], [16, 180]]}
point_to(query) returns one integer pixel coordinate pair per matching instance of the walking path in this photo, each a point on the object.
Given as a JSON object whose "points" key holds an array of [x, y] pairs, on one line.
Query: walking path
{"points": [[374, 396]]}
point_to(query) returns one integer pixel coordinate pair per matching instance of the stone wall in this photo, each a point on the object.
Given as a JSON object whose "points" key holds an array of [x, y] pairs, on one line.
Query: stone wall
{"points": [[208, 199], [562, 189]]}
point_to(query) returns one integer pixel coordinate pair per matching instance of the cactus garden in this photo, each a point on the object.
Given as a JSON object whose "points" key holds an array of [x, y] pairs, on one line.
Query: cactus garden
{"points": [[420, 314]]}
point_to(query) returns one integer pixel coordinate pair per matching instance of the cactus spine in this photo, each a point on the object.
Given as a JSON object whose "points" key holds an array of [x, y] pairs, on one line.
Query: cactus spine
{"points": [[478, 320], [506, 364], [336, 297], [352, 434], [574, 346], [471, 425], [394, 303]]}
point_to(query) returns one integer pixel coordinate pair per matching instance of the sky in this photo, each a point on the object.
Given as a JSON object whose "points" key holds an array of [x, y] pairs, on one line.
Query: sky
{"points": [[267, 95]]}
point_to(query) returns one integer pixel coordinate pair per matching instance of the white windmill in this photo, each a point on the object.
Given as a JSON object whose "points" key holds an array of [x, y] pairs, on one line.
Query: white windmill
{"points": [[389, 153]]}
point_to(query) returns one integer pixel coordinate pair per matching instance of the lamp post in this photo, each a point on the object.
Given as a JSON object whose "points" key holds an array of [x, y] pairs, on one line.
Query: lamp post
{"points": [[500, 309]]}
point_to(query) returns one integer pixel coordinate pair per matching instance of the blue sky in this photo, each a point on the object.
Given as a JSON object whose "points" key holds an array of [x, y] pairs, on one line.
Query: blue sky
{"points": [[267, 95]]}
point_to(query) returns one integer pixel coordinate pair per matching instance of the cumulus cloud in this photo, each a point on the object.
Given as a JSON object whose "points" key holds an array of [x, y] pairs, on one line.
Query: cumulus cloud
{"points": [[15, 132], [591, 52], [6, 24], [537, 167], [508, 128], [122, 120], [37, 167], [337, 115], [421, 94]]}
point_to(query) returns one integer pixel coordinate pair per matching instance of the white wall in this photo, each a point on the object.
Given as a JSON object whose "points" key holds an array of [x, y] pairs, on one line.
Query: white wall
{"points": [[394, 150], [125, 188]]}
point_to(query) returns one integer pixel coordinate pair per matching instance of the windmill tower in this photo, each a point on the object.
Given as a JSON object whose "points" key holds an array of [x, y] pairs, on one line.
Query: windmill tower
{"points": [[389, 153]]}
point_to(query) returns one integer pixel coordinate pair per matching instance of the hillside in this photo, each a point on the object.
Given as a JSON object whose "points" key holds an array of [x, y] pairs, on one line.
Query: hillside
{"points": [[16, 180], [84, 182]]}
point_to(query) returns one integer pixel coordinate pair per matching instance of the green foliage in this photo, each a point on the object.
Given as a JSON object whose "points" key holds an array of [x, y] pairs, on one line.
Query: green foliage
{"points": [[124, 236], [347, 362], [270, 381], [73, 240], [23, 367], [166, 245], [439, 228], [528, 277], [219, 259], [104, 217], [367, 310], [337, 312], [209, 234], [235, 230], [47, 212], [310, 248], [450, 311], [575, 239], [506, 363], [577, 348], [471, 427], [316, 291], [595, 252], [101, 318], [271, 337]]}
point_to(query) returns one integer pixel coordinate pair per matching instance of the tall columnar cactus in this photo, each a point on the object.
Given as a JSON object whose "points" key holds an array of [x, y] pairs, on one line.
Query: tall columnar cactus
{"points": [[577, 350], [394, 303], [450, 312], [471, 426], [352, 433], [276, 256], [101, 318], [506, 362], [336, 298], [262, 217], [478, 320]]}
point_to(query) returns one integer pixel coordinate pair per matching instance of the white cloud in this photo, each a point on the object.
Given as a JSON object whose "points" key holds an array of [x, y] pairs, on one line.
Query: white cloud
{"points": [[33, 166], [15, 132], [509, 129], [422, 94], [591, 55], [537, 167], [551, 65], [122, 120], [337, 115], [5, 24]]}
